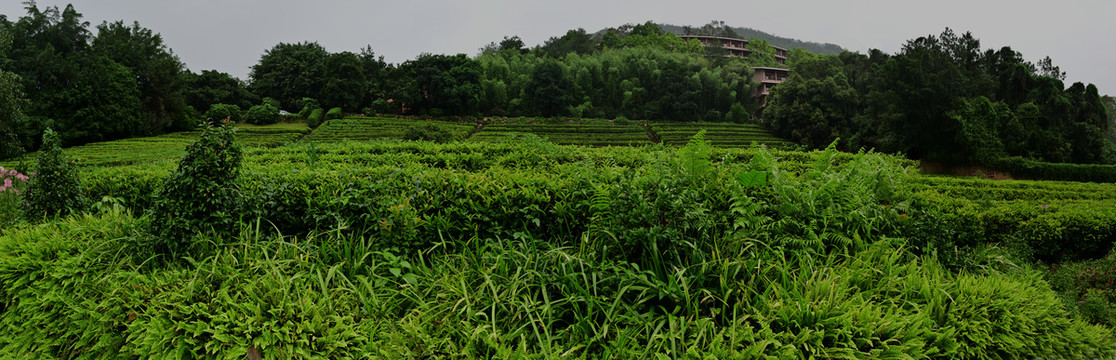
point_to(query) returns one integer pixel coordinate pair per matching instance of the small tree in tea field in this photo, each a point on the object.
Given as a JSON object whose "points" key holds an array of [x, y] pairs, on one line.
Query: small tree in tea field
{"points": [[201, 195], [55, 189]]}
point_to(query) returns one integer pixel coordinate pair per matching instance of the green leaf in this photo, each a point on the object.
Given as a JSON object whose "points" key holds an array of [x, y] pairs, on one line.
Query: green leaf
{"points": [[752, 179]]}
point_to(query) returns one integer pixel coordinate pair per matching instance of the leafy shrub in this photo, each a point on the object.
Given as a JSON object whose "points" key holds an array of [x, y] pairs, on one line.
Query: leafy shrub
{"points": [[1071, 233], [262, 115], [315, 118], [201, 195], [55, 189], [334, 113], [271, 101], [621, 120], [430, 132], [219, 112], [307, 105], [1036, 170], [381, 106]]}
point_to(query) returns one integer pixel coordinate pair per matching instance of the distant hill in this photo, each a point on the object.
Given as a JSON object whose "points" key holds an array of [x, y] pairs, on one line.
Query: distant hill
{"points": [[788, 43]]}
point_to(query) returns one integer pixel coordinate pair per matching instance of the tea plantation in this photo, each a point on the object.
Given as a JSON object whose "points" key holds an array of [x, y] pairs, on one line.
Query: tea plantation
{"points": [[349, 242]]}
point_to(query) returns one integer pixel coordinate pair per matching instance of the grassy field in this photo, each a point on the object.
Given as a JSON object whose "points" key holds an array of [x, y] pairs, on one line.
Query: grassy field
{"points": [[529, 249]]}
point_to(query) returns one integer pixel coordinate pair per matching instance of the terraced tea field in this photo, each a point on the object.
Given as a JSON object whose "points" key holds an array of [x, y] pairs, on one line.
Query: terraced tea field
{"points": [[170, 147], [361, 129], [718, 134], [595, 135]]}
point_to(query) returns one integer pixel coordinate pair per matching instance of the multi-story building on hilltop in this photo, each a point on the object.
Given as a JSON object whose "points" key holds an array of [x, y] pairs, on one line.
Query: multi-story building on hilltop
{"points": [[735, 47], [767, 77]]}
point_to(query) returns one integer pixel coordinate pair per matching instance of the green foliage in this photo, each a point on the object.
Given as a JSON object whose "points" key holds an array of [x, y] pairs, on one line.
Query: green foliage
{"points": [[1088, 288], [12, 182], [431, 132], [213, 87], [12, 118], [526, 249], [220, 112], [158, 72], [550, 91], [201, 195], [307, 105], [1028, 169], [941, 98], [315, 117], [441, 84], [345, 83], [55, 189], [829, 113], [635, 82], [1071, 233], [262, 115], [334, 113], [574, 41], [289, 72]]}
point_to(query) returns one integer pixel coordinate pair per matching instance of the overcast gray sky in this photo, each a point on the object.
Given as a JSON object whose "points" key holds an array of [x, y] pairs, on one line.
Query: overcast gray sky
{"points": [[230, 35]]}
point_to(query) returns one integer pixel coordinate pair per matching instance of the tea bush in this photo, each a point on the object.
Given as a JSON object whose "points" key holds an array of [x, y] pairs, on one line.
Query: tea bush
{"points": [[219, 112], [315, 118], [430, 132], [200, 196], [334, 113], [54, 189], [262, 115]]}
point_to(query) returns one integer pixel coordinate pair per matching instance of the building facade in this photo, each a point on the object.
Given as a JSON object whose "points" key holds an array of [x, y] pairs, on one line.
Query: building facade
{"points": [[767, 77], [735, 47]]}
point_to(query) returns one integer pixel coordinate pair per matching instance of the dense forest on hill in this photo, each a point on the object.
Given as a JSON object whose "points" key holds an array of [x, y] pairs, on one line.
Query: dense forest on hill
{"points": [[942, 98]]}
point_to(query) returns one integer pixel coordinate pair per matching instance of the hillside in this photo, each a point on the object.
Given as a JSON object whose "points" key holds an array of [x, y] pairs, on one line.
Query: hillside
{"points": [[748, 33]]}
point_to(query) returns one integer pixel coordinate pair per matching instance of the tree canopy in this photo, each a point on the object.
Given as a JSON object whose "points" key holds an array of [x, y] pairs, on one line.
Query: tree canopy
{"points": [[942, 98]]}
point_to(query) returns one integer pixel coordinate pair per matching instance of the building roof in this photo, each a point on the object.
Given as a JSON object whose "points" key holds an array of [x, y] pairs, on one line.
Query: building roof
{"points": [[724, 38]]}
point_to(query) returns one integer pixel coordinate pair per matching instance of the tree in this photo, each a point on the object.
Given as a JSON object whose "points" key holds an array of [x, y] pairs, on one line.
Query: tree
{"points": [[1046, 68], [289, 72], [12, 103], [376, 73], [158, 72], [104, 103], [213, 87], [440, 84], [1110, 108], [575, 41], [345, 82], [815, 105], [513, 44], [550, 90]]}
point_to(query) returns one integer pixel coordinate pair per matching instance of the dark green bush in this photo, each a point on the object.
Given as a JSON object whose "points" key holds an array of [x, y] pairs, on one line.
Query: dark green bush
{"points": [[200, 196], [262, 115], [271, 101], [219, 112], [1021, 168], [315, 118], [55, 189], [334, 113], [1072, 233], [307, 105]]}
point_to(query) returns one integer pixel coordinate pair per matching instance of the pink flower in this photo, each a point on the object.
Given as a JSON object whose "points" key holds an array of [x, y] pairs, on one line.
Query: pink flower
{"points": [[8, 182]]}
